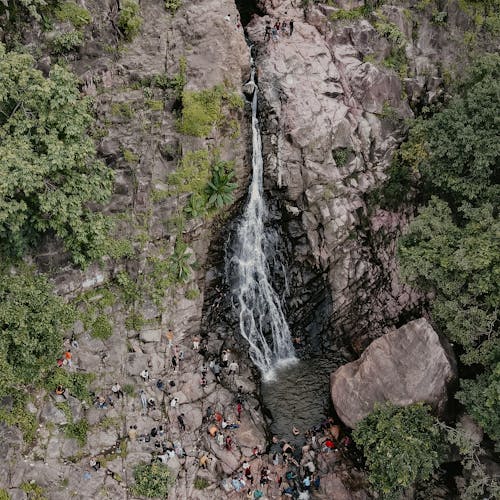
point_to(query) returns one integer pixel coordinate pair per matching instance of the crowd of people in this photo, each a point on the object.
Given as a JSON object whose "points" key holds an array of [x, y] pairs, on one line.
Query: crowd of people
{"points": [[280, 28]]}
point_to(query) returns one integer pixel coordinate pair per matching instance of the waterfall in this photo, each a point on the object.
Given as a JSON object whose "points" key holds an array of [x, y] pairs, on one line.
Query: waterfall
{"points": [[261, 318]]}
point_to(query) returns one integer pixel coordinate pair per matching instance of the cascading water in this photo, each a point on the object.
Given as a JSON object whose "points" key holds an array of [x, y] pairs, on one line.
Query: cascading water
{"points": [[261, 319]]}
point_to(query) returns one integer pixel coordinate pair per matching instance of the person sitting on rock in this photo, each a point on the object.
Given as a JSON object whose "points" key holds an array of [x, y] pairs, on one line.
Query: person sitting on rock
{"points": [[196, 343], [145, 374], [95, 464], [60, 390], [203, 461]]}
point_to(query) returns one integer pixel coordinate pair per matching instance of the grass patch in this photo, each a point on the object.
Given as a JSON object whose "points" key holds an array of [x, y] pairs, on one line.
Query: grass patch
{"points": [[203, 110], [33, 491], [77, 430], [18, 416], [130, 157], [122, 109], [101, 327], [155, 105], [76, 15], [200, 483]]}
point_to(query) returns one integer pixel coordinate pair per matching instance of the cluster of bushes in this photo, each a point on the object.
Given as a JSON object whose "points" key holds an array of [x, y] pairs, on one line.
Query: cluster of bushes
{"points": [[450, 250]]}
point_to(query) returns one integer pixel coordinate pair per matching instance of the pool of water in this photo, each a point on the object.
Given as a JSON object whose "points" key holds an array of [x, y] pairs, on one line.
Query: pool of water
{"points": [[299, 395]]}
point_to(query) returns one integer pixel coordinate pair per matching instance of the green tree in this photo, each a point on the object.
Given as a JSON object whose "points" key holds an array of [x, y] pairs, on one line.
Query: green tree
{"points": [[460, 265], [152, 480], [401, 445], [481, 397], [32, 321], [462, 139], [48, 163], [129, 20]]}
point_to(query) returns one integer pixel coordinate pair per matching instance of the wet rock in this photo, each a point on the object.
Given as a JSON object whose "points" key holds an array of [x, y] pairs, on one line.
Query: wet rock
{"points": [[405, 366]]}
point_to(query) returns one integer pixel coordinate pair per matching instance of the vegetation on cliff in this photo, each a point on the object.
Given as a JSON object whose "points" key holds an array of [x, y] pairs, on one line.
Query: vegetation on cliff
{"points": [[401, 445], [48, 165]]}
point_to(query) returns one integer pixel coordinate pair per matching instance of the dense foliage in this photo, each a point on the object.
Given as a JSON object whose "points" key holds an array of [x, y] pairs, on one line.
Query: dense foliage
{"points": [[451, 248], [32, 321], [129, 20], [48, 166], [152, 480], [401, 445], [482, 398]]}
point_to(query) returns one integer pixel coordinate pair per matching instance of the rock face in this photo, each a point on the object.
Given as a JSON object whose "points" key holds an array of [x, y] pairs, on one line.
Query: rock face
{"points": [[405, 366]]}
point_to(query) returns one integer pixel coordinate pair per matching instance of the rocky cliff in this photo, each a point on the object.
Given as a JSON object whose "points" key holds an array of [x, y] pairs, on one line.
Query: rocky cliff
{"points": [[333, 104]]}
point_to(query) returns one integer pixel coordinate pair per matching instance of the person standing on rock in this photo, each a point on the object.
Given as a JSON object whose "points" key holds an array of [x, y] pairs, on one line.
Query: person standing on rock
{"points": [[229, 443], [117, 390], [275, 36], [203, 461], [196, 343], [170, 337], [144, 400], [145, 375], [174, 362], [290, 27], [68, 357], [239, 409], [219, 437], [173, 403], [267, 33], [233, 368], [180, 419], [132, 432]]}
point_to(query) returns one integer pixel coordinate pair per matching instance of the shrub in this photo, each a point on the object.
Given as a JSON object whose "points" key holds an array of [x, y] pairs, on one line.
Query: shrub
{"points": [[351, 14], [193, 172], [32, 320], [129, 21], [341, 155], [192, 294], [77, 430], [130, 157], [50, 176], [76, 15], [67, 42], [18, 415], [135, 321], [152, 480], [401, 445], [200, 483], [155, 105], [76, 383], [34, 491], [481, 397], [220, 188], [123, 109], [173, 5], [101, 328], [129, 389], [202, 110]]}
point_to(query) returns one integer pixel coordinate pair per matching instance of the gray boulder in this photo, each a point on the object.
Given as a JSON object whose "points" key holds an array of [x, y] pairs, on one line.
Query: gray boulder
{"points": [[404, 366]]}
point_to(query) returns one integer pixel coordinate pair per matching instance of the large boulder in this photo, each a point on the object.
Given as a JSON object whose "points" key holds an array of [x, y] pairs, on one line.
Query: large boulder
{"points": [[404, 366]]}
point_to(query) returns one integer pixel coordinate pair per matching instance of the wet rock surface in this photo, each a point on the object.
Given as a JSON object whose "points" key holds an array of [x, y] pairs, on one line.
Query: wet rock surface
{"points": [[404, 367]]}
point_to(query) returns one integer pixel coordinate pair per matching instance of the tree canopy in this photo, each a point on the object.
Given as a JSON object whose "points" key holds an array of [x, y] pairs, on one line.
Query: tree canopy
{"points": [[32, 321], [451, 247], [401, 445], [48, 166]]}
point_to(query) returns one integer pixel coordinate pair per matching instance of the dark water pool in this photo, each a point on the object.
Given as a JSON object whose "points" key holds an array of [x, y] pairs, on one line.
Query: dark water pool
{"points": [[300, 395]]}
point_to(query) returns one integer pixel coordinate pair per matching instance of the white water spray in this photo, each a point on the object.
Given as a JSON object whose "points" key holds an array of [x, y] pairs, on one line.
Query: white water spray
{"points": [[261, 318]]}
